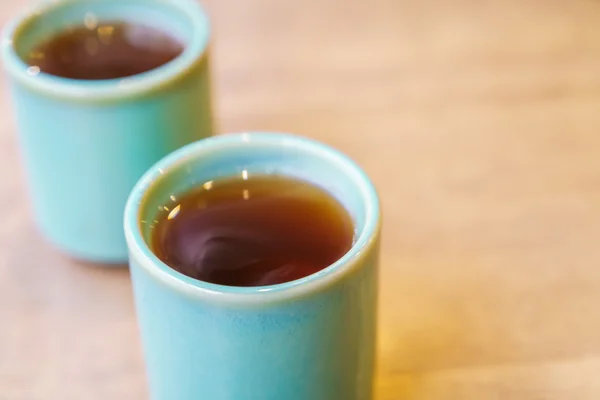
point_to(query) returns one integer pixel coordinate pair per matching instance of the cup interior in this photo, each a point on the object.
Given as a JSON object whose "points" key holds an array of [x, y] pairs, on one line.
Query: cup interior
{"points": [[184, 20], [233, 155], [167, 16]]}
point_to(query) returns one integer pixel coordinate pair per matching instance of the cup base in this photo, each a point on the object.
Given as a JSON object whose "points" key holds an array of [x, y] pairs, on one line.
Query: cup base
{"points": [[87, 258]]}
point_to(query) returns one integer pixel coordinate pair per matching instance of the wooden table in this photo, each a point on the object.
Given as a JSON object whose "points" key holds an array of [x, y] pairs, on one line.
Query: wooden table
{"points": [[480, 123]]}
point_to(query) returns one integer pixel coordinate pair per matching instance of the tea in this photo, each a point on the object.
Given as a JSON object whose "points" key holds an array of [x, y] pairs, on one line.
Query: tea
{"points": [[106, 50], [257, 231]]}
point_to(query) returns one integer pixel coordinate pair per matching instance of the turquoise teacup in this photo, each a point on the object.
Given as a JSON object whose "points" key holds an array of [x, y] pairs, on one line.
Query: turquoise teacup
{"points": [[86, 143], [312, 338]]}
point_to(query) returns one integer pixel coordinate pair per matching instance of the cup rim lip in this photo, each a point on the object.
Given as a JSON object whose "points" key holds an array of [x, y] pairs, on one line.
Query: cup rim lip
{"points": [[145, 258], [106, 89]]}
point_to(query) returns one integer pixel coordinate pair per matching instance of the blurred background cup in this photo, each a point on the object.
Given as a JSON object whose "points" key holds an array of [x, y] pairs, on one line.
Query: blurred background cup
{"points": [[313, 338], [85, 143]]}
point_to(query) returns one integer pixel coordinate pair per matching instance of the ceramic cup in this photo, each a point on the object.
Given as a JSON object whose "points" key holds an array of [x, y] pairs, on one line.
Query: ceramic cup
{"points": [[313, 338], [86, 143]]}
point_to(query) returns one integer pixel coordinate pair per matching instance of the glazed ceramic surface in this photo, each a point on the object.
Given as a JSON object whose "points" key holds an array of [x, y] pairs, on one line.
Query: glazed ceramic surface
{"points": [[313, 338], [85, 143]]}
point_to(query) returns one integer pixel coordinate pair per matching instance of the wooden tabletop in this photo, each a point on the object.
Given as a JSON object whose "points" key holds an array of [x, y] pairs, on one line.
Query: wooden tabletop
{"points": [[478, 120]]}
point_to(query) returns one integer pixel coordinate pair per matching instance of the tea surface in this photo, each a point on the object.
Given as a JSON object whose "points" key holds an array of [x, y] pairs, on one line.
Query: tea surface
{"points": [[104, 51], [259, 231]]}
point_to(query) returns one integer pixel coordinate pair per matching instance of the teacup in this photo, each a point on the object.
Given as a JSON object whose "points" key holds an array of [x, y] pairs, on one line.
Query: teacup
{"points": [[312, 338], [85, 143]]}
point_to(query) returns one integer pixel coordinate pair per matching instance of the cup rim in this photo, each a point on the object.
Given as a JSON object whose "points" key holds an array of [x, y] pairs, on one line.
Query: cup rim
{"points": [[361, 249], [97, 91]]}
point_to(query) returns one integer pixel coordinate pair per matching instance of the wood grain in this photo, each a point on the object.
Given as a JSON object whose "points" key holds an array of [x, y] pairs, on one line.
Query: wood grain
{"points": [[479, 123]]}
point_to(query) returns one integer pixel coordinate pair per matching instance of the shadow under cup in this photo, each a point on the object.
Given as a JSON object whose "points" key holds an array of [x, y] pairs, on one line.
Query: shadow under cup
{"points": [[85, 143], [313, 338]]}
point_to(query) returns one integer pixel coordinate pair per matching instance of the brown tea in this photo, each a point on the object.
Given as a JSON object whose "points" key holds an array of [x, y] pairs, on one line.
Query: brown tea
{"points": [[259, 231], [104, 51]]}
